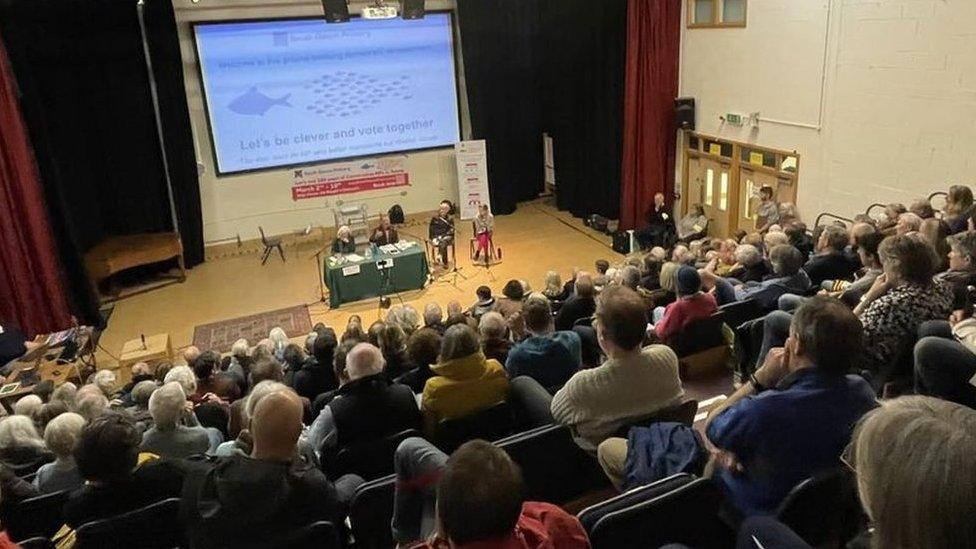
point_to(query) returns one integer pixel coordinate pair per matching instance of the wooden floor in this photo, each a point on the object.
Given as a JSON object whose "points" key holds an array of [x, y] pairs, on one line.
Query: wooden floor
{"points": [[533, 240]]}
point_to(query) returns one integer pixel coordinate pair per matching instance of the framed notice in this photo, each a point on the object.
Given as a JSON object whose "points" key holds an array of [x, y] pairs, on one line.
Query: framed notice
{"points": [[472, 170]]}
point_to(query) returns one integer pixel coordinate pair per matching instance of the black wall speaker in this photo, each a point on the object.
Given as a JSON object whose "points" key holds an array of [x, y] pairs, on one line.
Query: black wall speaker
{"points": [[684, 112], [412, 9], [336, 11]]}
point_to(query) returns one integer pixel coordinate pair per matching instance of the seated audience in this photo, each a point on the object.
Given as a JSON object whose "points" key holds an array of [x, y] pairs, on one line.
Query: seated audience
{"points": [[630, 277], [61, 436], [354, 330], [494, 336], [117, 478], [434, 317], [554, 289], [867, 253], [794, 416], [409, 320], [548, 356], [464, 381], [368, 407], [580, 305], [787, 278], [316, 376], [393, 343], [239, 365], [472, 499], [692, 305], [486, 303], [294, 361], [959, 208], [830, 262], [945, 360], [511, 301], [935, 232], [259, 499], [908, 223], [21, 447], [962, 268], [48, 412], [892, 214], [922, 207], [190, 354], [651, 279], [90, 402], [168, 437], [913, 461], [749, 265], [632, 383], [28, 406], [422, 348], [211, 381], [692, 224]]}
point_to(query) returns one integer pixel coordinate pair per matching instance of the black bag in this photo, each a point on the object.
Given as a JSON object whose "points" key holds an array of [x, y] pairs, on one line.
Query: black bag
{"points": [[597, 222], [621, 242], [396, 215]]}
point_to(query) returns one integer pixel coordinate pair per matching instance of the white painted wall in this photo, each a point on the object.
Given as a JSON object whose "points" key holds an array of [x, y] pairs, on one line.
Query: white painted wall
{"points": [[237, 204], [897, 116]]}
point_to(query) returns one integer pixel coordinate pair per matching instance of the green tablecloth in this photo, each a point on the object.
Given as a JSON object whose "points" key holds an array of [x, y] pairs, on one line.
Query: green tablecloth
{"points": [[409, 272]]}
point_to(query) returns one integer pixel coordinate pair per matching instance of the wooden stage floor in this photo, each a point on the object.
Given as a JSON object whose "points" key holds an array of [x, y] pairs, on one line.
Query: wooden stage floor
{"points": [[534, 239]]}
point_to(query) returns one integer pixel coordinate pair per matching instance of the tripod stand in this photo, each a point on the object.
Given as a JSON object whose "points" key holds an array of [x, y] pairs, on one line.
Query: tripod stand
{"points": [[451, 276], [320, 270], [386, 286]]}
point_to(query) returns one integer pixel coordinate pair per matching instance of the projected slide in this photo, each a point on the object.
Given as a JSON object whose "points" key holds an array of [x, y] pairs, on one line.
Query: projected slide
{"points": [[299, 91]]}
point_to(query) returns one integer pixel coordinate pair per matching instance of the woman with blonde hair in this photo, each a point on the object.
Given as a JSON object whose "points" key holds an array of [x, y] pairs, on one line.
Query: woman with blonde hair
{"points": [[915, 475], [959, 208], [554, 287]]}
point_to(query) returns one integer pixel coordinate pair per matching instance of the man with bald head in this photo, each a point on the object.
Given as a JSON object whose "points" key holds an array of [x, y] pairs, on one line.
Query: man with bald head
{"points": [[580, 305], [365, 408], [660, 225], [257, 500]]}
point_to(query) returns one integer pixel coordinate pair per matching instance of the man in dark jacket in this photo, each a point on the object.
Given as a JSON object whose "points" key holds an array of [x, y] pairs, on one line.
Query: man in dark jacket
{"points": [[581, 305], [547, 356], [366, 408], [317, 376], [830, 262], [258, 500], [660, 225]]}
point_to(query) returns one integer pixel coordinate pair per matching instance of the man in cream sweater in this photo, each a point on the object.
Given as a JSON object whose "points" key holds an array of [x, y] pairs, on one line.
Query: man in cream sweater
{"points": [[632, 383]]}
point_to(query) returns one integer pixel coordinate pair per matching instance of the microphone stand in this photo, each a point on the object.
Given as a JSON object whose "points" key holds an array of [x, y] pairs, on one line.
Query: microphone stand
{"points": [[320, 270]]}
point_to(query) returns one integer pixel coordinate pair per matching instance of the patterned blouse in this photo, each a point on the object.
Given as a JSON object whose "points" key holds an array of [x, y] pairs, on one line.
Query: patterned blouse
{"points": [[891, 322]]}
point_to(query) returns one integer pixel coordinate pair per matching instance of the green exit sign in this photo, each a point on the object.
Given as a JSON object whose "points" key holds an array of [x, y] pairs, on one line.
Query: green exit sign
{"points": [[733, 118]]}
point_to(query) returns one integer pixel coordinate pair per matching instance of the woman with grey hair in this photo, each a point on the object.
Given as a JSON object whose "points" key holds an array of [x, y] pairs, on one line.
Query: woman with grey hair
{"points": [[185, 377], [344, 242], [61, 435], [749, 264], [66, 394], [279, 340], [494, 336], [464, 380], [787, 278], [21, 447], [168, 437], [28, 405], [409, 320]]}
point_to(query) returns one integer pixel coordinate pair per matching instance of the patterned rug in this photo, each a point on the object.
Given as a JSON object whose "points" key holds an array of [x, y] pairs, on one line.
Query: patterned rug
{"points": [[219, 336]]}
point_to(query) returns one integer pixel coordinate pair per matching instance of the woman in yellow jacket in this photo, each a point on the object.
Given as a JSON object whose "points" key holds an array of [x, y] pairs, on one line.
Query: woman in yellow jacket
{"points": [[464, 380]]}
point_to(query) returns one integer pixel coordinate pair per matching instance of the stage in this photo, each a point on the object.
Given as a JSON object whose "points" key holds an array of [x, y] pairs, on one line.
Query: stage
{"points": [[533, 240]]}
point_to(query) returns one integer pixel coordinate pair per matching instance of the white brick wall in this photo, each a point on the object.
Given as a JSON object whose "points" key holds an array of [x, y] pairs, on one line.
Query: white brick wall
{"points": [[900, 95]]}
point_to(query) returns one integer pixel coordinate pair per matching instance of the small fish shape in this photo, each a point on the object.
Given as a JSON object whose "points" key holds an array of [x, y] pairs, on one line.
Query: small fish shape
{"points": [[254, 102]]}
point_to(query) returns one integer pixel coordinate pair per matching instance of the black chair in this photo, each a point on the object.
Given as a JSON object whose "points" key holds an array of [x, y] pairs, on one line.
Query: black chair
{"points": [[371, 459], [741, 311], [270, 244], [554, 468], [371, 513], [699, 335], [824, 510], [36, 543], [156, 526], [678, 509], [683, 413], [213, 415], [318, 535], [489, 424], [37, 516], [530, 403]]}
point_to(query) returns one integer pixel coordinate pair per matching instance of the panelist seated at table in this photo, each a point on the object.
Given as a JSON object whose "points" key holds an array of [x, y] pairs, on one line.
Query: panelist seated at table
{"points": [[441, 231], [385, 233], [344, 243]]}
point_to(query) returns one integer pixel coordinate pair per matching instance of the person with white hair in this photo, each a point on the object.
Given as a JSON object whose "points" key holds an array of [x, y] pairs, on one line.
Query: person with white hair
{"points": [[168, 437], [749, 264], [61, 436], [65, 393], [28, 406], [434, 317], [409, 320], [279, 340], [366, 408], [494, 336], [185, 377], [240, 362], [21, 447], [190, 354], [90, 402], [344, 242], [140, 402], [105, 381]]}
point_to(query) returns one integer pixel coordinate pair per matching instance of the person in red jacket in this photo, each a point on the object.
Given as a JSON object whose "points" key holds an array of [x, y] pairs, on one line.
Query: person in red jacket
{"points": [[478, 502], [692, 304]]}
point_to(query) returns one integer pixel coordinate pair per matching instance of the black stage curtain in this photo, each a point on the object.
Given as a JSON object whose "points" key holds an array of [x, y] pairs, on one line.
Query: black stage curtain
{"points": [[85, 97], [500, 41], [583, 83]]}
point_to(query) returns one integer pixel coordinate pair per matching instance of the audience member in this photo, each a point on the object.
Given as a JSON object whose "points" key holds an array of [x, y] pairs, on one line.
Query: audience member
{"points": [[486, 303], [892, 214], [211, 381], [105, 380], [61, 436], [28, 406], [294, 360], [692, 305], [959, 208], [548, 356], [279, 340], [374, 331], [65, 393], [651, 279], [767, 213], [787, 278], [749, 264], [90, 402], [422, 348], [922, 207], [317, 376], [495, 343], [464, 382], [935, 232], [240, 363], [185, 377], [554, 290], [830, 262], [580, 305], [21, 447], [354, 330], [190, 354], [48, 412], [631, 384], [510, 303], [434, 317], [409, 320], [168, 437], [476, 501], [393, 343], [962, 268], [908, 223], [366, 408]]}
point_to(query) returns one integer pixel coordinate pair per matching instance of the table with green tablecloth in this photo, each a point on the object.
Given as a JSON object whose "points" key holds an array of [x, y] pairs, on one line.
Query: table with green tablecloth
{"points": [[350, 280]]}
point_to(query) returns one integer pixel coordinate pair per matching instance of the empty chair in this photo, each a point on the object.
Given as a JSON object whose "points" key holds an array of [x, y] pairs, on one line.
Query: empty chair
{"points": [[318, 535], [371, 513], [37, 516], [824, 510], [155, 526], [554, 468], [530, 403], [489, 424], [678, 509], [741, 311], [370, 460], [699, 335], [270, 244]]}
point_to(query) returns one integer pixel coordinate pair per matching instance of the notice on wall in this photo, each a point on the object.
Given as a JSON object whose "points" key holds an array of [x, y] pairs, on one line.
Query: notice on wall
{"points": [[352, 176], [472, 170]]}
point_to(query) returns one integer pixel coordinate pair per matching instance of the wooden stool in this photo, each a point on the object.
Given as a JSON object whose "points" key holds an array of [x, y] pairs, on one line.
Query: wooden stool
{"points": [[157, 348]]}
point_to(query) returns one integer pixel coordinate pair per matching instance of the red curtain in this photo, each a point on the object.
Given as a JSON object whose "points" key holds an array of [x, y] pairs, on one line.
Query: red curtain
{"points": [[650, 87], [31, 294]]}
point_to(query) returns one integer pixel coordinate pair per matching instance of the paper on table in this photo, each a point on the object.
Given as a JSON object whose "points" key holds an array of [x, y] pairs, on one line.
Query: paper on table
{"points": [[354, 257]]}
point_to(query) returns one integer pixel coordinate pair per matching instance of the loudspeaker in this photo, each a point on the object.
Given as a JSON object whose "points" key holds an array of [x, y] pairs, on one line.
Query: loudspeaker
{"points": [[336, 11], [412, 9], [684, 112]]}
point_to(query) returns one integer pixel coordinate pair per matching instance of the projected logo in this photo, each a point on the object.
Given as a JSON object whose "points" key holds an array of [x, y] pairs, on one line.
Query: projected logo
{"points": [[343, 93], [255, 103]]}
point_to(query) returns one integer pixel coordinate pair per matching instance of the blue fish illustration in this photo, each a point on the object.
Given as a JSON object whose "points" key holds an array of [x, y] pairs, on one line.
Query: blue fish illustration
{"points": [[254, 102]]}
